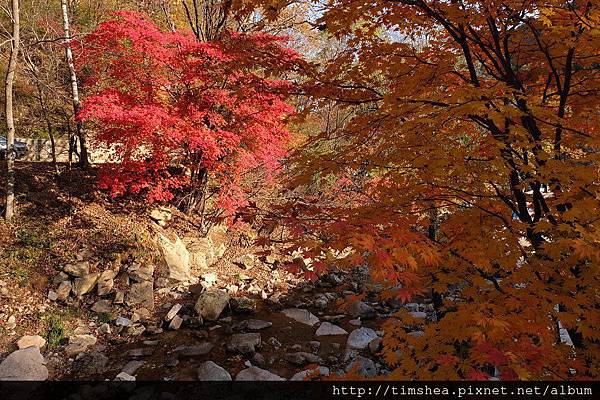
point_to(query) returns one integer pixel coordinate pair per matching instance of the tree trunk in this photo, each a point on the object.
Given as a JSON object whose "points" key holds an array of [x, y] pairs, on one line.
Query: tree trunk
{"points": [[166, 9], [48, 125], [10, 123], [83, 154]]}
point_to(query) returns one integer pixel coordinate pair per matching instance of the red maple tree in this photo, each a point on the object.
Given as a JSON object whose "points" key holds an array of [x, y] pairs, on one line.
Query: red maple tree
{"points": [[175, 112]]}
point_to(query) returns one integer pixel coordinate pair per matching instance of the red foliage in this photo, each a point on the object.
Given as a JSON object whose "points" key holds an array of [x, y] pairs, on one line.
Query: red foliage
{"points": [[170, 107]]}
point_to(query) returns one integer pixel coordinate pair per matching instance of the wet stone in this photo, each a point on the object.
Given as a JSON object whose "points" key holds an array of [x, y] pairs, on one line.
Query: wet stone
{"points": [[257, 324], [194, 351], [132, 366], [210, 371], [244, 343], [301, 315]]}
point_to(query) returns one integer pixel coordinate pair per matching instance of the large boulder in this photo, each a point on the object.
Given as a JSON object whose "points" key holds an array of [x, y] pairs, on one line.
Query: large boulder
{"points": [[177, 258], [24, 365], [209, 371], [257, 374], [211, 304]]}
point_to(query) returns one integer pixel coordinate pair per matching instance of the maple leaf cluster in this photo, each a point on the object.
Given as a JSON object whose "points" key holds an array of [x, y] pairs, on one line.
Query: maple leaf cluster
{"points": [[173, 111], [464, 170]]}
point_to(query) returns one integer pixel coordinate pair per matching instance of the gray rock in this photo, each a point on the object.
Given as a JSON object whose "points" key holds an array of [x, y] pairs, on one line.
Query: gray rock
{"points": [[52, 295], [362, 366], [177, 258], [194, 351], [79, 343], [211, 304], [362, 310], [24, 365], [360, 338], [301, 315], [301, 358], [28, 341], [124, 377], [91, 363], [85, 284], [257, 324], [141, 293], [131, 367], [329, 329], [418, 314], [78, 269], [102, 306], [244, 343], [209, 371], [416, 334], [257, 374], [302, 375]]}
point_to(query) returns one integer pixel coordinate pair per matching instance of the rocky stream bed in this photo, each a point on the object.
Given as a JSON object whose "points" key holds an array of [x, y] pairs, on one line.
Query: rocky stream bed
{"points": [[215, 336]]}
